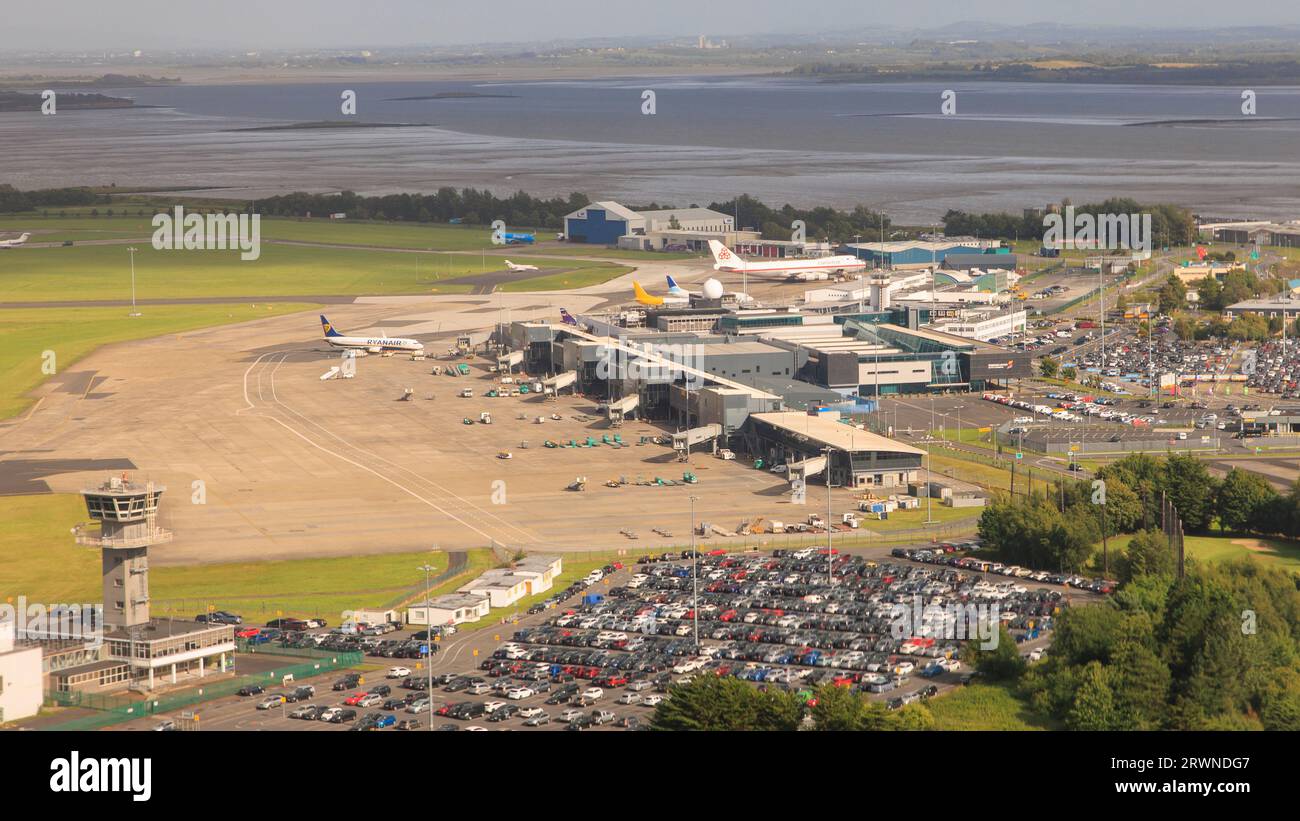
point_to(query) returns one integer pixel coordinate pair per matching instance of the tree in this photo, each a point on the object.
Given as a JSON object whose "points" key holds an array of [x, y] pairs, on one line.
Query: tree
{"points": [[1147, 553], [1094, 702], [1210, 291], [1069, 372], [1241, 500], [1185, 329], [1048, 367], [1001, 662], [1172, 295], [712, 703], [1189, 485]]}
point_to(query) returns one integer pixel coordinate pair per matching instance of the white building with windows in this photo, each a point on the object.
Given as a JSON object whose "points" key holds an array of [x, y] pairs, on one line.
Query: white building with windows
{"points": [[20, 676], [455, 608]]}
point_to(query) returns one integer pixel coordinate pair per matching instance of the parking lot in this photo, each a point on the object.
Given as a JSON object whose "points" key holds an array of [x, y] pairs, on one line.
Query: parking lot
{"points": [[602, 653], [1277, 369]]}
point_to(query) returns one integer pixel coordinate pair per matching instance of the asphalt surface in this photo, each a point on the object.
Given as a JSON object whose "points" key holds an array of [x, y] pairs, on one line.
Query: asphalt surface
{"points": [[461, 654]]}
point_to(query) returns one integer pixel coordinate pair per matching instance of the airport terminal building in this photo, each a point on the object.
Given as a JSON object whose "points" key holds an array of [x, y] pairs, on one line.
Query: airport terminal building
{"points": [[753, 391]]}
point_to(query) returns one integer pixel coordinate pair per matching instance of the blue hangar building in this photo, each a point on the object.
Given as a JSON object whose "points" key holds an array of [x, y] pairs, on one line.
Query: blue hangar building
{"points": [[917, 253]]}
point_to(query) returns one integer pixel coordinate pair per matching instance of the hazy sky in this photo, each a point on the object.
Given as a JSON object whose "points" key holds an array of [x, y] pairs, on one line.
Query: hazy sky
{"points": [[157, 24]]}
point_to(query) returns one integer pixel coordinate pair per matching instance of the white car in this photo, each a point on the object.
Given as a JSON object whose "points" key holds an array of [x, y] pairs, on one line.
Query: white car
{"points": [[652, 700], [516, 693], [639, 685], [570, 715], [399, 672], [490, 707], [370, 700], [779, 469], [629, 698], [531, 712], [593, 693]]}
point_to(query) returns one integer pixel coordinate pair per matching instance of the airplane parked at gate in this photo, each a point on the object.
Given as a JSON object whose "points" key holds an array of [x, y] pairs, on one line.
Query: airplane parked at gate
{"points": [[377, 344], [724, 259]]}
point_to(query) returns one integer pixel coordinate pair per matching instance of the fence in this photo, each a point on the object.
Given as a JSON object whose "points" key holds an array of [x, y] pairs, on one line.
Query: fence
{"points": [[114, 709]]}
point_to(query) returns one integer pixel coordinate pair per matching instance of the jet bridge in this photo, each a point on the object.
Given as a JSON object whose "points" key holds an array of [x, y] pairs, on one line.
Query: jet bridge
{"points": [[553, 385], [811, 466], [695, 436], [621, 409], [506, 362]]}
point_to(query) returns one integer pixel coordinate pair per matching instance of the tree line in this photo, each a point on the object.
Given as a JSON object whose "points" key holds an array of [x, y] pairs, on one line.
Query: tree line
{"points": [[1057, 529], [719, 704], [1170, 224], [472, 206], [16, 201], [1216, 650]]}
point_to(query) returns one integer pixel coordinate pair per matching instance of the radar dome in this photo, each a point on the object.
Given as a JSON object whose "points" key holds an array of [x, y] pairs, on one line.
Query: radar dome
{"points": [[712, 289]]}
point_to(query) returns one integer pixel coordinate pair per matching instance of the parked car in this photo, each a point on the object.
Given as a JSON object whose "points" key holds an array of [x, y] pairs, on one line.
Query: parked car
{"points": [[342, 715]]}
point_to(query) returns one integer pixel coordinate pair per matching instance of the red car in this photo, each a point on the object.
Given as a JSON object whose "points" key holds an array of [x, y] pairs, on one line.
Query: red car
{"points": [[352, 700], [248, 632]]}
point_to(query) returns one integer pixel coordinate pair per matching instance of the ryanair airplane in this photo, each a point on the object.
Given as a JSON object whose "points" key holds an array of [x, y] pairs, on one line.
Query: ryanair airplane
{"points": [[371, 344]]}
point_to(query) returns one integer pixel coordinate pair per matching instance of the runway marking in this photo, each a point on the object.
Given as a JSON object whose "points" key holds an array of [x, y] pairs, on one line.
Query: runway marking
{"points": [[419, 478], [427, 501]]}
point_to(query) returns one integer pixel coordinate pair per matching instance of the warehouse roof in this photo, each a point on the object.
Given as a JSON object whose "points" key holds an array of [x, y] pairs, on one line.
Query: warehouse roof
{"points": [[684, 214], [1274, 304], [835, 434], [620, 211]]}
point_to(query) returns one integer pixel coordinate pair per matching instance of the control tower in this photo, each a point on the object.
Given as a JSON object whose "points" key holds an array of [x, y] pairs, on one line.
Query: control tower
{"points": [[127, 516], [878, 290]]}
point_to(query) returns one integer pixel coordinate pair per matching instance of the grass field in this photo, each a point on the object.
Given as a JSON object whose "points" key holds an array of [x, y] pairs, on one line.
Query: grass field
{"points": [[299, 587], [985, 707], [416, 236], [908, 519], [594, 274], [578, 249], [72, 333], [977, 472], [39, 560], [969, 436], [103, 272], [1279, 552], [82, 227]]}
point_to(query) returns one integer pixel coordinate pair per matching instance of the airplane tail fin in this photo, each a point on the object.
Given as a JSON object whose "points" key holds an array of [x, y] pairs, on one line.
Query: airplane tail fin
{"points": [[643, 297], [567, 317], [327, 327], [24, 237], [723, 257], [673, 287]]}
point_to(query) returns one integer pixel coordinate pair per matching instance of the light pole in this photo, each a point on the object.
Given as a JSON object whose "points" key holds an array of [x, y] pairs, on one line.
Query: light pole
{"points": [[428, 639], [695, 578], [134, 312], [830, 555], [929, 485]]}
